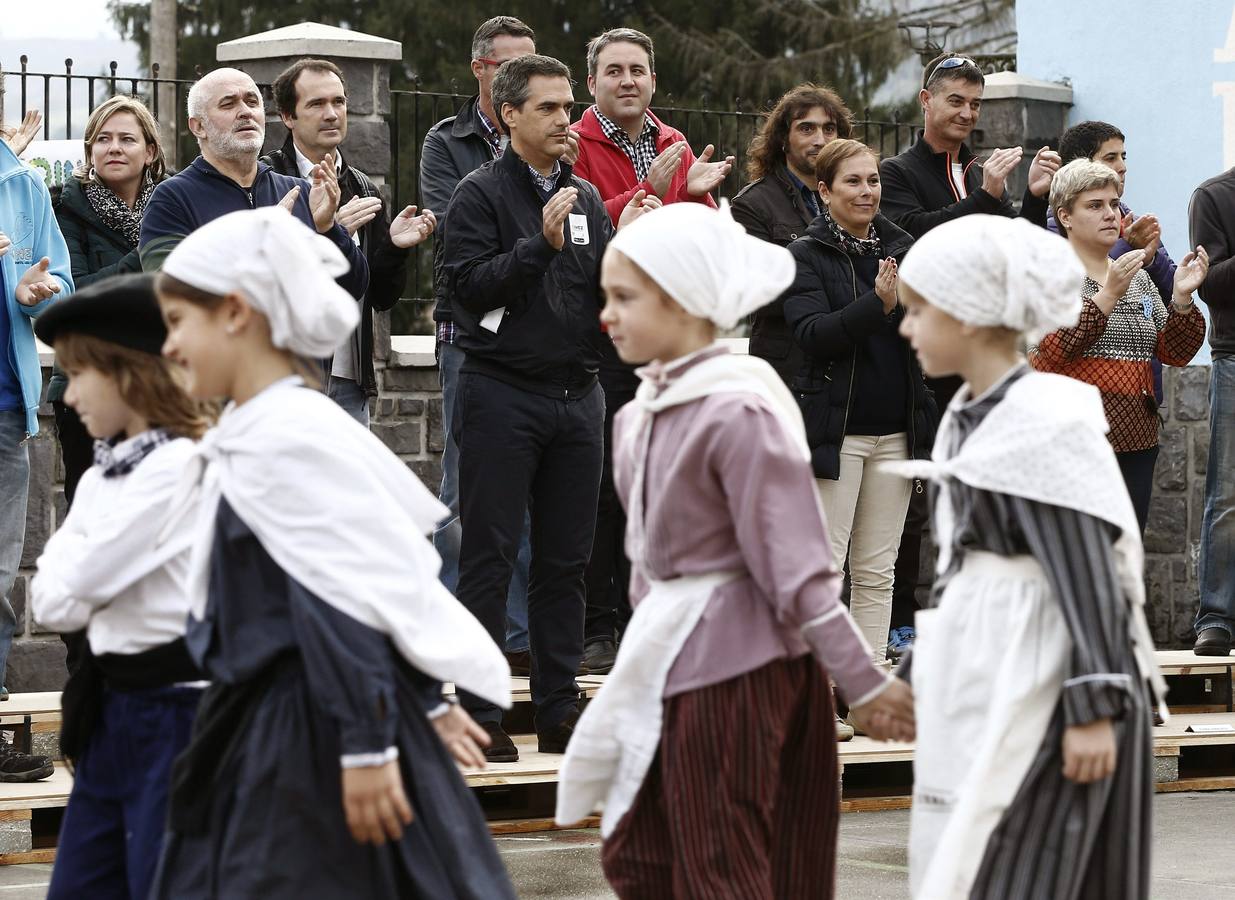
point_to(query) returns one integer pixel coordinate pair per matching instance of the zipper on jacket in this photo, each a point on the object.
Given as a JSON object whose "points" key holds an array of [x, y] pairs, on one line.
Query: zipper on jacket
{"points": [[249, 194]]}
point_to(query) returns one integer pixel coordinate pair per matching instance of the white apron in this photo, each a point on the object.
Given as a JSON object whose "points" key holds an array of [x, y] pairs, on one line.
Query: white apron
{"points": [[617, 736], [982, 707]]}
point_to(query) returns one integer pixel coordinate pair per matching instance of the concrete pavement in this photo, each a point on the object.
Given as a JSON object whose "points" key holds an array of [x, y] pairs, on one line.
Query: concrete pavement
{"points": [[1192, 858]]}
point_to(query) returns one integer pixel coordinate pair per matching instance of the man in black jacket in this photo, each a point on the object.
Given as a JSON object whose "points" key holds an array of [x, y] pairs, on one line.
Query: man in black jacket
{"points": [[783, 198], [311, 96], [1211, 220], [453, 148], [936, 180], [524, 240]]}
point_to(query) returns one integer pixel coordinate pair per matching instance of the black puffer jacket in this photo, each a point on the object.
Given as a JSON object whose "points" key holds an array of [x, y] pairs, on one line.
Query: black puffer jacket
{"points": [[830, 313]]}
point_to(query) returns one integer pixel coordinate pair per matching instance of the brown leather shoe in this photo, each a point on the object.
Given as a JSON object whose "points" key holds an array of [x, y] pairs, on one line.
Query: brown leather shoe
{"points": [[501, 748]]}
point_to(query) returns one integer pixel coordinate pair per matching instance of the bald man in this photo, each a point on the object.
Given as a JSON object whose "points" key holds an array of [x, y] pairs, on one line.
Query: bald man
{"points": [[227, 117]]}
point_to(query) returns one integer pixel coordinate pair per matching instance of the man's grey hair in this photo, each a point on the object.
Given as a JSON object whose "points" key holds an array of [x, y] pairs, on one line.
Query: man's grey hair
{"points": [[619, 36], [199, 93], [482, 40], [1076, 178], [510, 84]]}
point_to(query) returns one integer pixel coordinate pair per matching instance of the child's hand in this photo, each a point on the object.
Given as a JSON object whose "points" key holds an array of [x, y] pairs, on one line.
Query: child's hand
{"points": [[462, 736], [375, 803], [1089, 751], [889, 717]]}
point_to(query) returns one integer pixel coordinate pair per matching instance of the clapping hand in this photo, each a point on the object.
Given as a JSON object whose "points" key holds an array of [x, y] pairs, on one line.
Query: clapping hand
{"points": [[358, 212], [704, 176], [1046, 163], [996, 169], [641, 203], [665, 166], [885, 284], [37, 285], [571, 156], [409, 229], [553, 217], [1144, 234], [324, 193], [1190, 275], [20, 137]]}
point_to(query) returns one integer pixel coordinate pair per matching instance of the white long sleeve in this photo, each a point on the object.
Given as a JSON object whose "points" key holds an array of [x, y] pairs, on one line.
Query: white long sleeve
{"points": [[103, 569]]}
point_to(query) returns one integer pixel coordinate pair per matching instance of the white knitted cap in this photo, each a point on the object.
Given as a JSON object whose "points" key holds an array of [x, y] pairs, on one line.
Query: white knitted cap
{"points": [[991, 270]]}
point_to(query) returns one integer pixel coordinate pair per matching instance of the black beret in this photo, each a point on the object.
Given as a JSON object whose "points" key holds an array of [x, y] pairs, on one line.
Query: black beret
{"points": [[121, 310]]}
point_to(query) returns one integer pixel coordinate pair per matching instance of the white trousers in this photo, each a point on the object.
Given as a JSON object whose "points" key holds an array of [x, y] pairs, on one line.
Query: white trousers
{"points": [[866, 509]]}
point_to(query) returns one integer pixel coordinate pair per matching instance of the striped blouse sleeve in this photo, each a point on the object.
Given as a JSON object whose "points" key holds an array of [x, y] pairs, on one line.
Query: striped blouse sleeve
{"points": [[1077, 553]]}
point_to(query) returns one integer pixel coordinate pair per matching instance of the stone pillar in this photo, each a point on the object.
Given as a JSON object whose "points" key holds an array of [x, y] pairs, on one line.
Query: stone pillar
{"points": [[1018, 111], [365, 60]]}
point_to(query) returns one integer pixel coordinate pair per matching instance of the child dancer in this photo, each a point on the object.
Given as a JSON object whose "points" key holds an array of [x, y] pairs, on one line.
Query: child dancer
{"points": [[129, 704], [713, 743], [321, 763], [1032, 772]]}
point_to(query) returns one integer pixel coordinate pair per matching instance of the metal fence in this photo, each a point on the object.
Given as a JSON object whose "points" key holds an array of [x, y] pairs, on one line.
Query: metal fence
{"points": [[413, 113]]}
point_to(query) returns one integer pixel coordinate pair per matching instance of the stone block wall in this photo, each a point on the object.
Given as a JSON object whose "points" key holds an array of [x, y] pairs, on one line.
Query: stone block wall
{"points": [[407, 416]]}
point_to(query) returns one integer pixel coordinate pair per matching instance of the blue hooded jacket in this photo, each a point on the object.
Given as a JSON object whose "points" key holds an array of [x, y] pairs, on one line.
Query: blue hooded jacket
{"points": [[28, 220]]}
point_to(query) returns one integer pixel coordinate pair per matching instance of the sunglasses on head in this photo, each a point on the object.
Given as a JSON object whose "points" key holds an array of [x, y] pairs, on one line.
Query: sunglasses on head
{"points": [[952, 62]]}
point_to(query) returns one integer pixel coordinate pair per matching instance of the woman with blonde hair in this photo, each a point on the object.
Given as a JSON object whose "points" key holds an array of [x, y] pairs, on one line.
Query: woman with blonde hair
{"points": [[1124, 322], [100, 214]]}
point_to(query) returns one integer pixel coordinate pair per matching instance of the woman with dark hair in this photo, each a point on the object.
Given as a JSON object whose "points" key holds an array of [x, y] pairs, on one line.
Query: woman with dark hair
{"points": [[860, 388], [780, 200], [100, 213]]}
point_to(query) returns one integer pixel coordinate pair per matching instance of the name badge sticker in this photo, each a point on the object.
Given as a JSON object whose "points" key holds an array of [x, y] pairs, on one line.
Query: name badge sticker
{"points": [[578, 228]]}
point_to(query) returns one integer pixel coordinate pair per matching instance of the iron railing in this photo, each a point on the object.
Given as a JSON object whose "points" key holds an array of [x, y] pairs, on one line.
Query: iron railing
{"points": [[413, 113]]}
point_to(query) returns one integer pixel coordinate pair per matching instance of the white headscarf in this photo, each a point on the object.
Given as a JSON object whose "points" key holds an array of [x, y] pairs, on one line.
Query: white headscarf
{"points": [[282, 267], [991, 270], [706, 261]]}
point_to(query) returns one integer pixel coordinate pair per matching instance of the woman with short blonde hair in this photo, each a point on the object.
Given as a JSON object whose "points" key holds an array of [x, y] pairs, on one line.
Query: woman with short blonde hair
{"points": [[1124, 322]]}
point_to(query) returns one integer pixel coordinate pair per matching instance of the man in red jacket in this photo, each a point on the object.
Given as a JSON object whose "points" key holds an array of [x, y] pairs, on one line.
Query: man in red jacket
{"points": [[623, 148]]}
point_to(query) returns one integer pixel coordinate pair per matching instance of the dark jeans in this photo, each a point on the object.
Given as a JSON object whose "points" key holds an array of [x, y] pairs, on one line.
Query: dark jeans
{"points": [[520, 451], [607, 579], [1137, 467]]}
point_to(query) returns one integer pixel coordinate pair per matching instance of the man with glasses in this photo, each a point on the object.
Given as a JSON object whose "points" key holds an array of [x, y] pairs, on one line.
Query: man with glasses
{"points": [[936, 180]]}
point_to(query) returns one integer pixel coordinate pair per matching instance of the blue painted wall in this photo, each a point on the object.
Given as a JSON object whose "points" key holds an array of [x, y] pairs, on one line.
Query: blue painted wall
{"points": [[1164, 73]]}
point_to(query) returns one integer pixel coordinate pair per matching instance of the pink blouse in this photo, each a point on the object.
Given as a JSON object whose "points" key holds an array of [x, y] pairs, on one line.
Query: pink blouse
{"points": [[725, 489]]}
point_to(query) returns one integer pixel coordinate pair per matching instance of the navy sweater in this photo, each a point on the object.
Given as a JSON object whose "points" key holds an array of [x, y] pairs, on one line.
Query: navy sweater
{"points": [[200, 193]]}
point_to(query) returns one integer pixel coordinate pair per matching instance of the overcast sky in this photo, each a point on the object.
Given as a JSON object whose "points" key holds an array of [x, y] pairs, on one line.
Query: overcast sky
{"points": [[73, 20]]}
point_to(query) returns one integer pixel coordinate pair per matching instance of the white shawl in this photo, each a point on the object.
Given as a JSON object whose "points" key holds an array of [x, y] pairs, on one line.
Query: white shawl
{"points": [[1046, 441], [347, 519]]}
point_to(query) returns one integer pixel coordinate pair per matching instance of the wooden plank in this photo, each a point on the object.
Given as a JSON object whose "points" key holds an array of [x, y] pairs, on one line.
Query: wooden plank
{"points": [[530, 826], [533, 767], [875, 804], [53, 791], [29, 703], [1185, 662], [1220, 783], [46, 855], [14, 815]]}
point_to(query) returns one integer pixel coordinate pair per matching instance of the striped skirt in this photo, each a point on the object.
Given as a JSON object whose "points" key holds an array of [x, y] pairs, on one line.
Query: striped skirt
{"points": [[741, 801]]}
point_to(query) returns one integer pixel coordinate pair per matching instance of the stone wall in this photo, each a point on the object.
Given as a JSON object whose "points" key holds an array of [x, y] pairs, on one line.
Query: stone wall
{"points": [[407, 416]]}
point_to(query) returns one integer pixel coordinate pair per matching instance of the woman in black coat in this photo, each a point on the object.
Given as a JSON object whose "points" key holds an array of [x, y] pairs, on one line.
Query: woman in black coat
{"points": [[99, 212], [860, 388]]}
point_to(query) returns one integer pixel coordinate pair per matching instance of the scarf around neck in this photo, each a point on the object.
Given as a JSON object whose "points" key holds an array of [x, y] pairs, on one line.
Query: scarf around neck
{"points": [[854, 246], [113, 211]]}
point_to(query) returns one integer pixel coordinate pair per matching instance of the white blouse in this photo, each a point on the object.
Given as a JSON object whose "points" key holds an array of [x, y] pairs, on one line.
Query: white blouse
{"points": [[104, 570]]}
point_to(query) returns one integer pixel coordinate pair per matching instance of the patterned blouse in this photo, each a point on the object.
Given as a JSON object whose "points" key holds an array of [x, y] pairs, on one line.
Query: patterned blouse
{"points": [[1113, 353]]}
